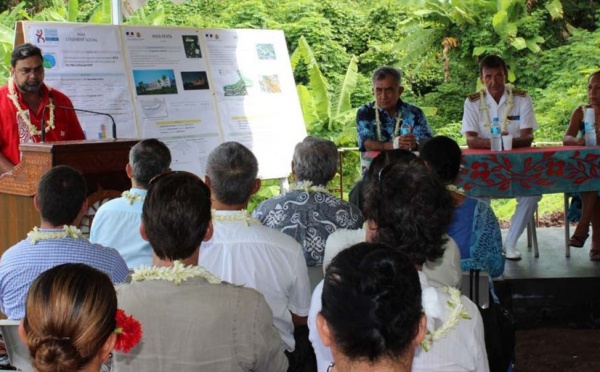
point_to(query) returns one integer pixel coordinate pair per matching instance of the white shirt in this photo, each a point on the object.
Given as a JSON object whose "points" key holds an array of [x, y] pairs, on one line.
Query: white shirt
{"points": [[245, 252], [521, 116], [117, 225], [462, 349], [445, 271]]}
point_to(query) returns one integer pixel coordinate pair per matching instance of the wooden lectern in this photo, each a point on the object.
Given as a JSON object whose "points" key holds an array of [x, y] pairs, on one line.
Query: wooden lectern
{"points": [[102, 162]]}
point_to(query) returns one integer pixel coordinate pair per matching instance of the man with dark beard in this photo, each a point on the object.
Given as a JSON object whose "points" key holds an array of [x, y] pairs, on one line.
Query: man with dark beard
{"points": [[26, 102]]}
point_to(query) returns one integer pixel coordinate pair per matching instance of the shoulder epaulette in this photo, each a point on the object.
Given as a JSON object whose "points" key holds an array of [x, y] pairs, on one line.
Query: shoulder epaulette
{"points": [[519, 92], [474, 97]]}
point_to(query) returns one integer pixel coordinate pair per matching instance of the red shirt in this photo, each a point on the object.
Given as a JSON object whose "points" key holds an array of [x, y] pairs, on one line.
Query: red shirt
{"points": [[66, 124]]}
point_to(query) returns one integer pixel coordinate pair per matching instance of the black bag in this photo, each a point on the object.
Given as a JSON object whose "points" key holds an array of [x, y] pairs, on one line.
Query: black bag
{"points": [[499, 328]]}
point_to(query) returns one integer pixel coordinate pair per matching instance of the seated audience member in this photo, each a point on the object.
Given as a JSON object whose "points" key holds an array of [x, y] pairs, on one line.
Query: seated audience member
{"points": [[590, 208], [71, 321], [371, 318], [309, 213], [474, 227], [244, 252], [192, 321], [409, 210], [117, 223], [445, 271], [62, 203]]}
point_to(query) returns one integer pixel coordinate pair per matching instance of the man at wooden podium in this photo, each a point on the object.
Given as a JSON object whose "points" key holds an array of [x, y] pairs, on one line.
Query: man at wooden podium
{"points": [[26, 103]]}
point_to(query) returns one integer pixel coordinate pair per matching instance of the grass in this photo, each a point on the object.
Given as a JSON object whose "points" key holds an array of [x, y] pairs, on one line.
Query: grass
{"points": [[504, 208]]}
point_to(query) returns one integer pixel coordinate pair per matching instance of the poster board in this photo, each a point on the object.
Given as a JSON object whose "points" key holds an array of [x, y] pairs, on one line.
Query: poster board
{"points": [[191, 88]]}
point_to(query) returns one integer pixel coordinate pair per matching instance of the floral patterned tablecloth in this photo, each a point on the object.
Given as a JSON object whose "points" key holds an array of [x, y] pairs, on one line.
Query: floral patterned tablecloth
{"points": [[530, 171]]}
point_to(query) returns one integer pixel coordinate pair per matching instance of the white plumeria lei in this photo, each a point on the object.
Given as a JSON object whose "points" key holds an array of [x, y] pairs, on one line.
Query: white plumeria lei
{"points": [[378, 123], [509, 105], [24, 114], [308, 187], [433, 309], [176, 273], [454, 188], [68, 231], [241, 215], [132, 197]]}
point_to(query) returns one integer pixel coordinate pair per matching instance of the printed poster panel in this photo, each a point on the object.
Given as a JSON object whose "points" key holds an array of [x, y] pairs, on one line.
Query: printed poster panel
{"points": [[85, 62], [256, 95], [172, 93]]}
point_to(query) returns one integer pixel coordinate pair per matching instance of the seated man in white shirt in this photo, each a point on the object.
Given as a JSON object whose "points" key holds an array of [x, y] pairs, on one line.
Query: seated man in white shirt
{"points": [[117, 223], [243, 251], [514, 110]]}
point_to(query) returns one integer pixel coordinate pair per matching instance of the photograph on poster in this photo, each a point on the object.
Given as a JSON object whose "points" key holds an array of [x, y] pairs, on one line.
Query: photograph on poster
{"points": [[194, 80], [191, 46], [239, 87], [265, 51], [152, 82], [269, 84]]}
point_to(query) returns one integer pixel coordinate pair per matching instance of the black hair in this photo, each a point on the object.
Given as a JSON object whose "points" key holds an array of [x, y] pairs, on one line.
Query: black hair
{"points": [[372, 302], [444, 155], [176, 214], [24, 51], [412, 210], [492, 61], [61, 193]]}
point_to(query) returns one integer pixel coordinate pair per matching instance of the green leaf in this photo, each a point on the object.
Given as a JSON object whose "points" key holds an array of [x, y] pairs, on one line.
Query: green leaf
{"points": [[500, 21], [531, 45], [306, 104], [478, 51], [72, 10], [341, 99], [519, 43], [555, 9]]}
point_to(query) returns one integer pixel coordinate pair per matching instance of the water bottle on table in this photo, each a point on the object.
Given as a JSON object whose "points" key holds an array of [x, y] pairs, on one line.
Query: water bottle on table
{"points": [[496, 135], [589, 121]]}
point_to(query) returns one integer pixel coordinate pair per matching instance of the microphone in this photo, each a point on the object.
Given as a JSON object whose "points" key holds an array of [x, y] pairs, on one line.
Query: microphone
{"points": [[114, 125], [43, 130]]}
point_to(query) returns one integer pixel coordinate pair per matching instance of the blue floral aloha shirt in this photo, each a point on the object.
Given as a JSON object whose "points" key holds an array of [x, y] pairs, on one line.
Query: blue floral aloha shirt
{"points": [[367, 129], [309, 217]]}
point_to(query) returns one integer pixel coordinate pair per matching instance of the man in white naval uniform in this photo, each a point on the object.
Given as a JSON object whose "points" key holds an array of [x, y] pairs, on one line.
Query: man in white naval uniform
{"points": [[514, 110]]}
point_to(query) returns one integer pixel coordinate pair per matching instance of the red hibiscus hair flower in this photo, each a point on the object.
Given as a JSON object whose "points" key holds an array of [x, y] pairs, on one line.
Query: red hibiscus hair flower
{"points": [[129, 331]]}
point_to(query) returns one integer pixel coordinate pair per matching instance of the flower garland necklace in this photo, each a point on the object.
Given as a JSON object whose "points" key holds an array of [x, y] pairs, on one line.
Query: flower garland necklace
{"points": [[24, 114], [241, 215], [307, 186], [453, 188], [378, 123], [176, 273], [458, 312], [68, 232], [132, 197], [510, 102]]}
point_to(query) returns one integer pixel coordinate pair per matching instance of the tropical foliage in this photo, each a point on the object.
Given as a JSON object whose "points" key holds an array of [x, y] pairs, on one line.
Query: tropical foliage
{"points": [[550, 45]]}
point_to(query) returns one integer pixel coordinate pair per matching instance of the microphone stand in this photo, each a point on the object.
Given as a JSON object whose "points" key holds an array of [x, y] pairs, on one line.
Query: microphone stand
{"points": [[114, 125]]}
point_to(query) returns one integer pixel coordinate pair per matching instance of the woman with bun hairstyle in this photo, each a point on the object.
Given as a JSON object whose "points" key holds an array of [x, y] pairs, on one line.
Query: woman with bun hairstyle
{"points": [[72, 322]]}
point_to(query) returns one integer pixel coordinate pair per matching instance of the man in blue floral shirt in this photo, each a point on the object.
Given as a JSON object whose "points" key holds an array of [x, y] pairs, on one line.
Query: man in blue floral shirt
{"points": [[378, 123]]}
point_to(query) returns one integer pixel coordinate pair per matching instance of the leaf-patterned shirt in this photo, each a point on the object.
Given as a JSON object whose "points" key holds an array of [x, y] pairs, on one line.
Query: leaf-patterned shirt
{"points": [[309, 217]]}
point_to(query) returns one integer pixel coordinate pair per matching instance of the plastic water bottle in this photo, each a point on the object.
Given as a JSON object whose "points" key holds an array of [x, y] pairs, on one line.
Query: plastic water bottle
{"points": [[496, 135], [589, 121], [404, 128]]}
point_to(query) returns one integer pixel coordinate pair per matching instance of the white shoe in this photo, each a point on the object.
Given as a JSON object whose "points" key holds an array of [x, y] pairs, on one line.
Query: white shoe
{"points": [[512, 253]]}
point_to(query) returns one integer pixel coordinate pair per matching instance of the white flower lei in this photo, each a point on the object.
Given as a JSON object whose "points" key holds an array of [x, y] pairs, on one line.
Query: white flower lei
{"points": [[378, 122], [23, 114], [68, 231], [132, 197], [308, 187], [176, 273], [241, 215], [458, 312], [454, 188], [509, 105]]}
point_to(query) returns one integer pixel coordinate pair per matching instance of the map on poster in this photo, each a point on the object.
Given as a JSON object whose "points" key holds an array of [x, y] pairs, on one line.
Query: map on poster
{"points": [[191, 88]]}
